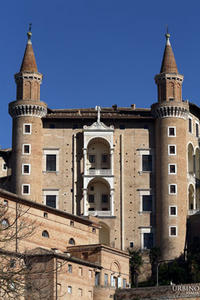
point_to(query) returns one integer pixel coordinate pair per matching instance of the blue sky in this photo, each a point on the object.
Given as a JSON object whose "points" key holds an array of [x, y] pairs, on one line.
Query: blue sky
{"points": [[97, 52]]}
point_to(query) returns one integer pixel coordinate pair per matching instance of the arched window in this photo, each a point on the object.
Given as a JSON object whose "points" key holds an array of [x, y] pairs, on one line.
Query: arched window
{"points": [[4, 223], [72, 241], [45, 234]]}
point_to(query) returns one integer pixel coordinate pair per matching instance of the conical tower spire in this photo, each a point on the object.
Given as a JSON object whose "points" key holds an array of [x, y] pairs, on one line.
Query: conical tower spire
{"points": [[169, 81], [168, 62], [29, 62]]}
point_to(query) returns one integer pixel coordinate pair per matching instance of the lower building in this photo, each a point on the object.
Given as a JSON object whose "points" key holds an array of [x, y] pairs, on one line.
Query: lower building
{"points": [[61, 251]]}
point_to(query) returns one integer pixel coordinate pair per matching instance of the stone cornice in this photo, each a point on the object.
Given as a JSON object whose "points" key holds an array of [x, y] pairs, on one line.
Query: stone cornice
{"points": [[26, 109], [168, 110]]}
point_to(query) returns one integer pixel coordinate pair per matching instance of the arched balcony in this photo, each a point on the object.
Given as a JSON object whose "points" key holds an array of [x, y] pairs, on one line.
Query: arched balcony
{"points": [[98, 158], [98, 198]]}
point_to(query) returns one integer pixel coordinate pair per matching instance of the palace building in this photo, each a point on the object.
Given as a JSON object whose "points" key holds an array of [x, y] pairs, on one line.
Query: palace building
{"points": [[136, 170]]}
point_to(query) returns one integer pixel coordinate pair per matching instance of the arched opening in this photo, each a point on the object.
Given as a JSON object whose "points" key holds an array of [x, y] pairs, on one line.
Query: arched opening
{"points": [[4, 224], [104, 234], [197, 163], [191, 197], [45, 234], [190, 159], [197, 177], [98, 155], [71, 242], [98, 195], [115, 275]]}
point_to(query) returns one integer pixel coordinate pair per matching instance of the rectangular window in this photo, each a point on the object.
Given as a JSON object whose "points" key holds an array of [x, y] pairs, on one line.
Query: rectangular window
{"points": [[197, 130], [172, 189], [190, 125], [124, 283], [91, 198], [173, 211], [97, 278], [171, 131], [69, 289], [27, 128], [90, 294], [146, 163], [131, 244], [92, 158], [26, 149], [80, 271], [104, 158], [90, 273], [80, 292], [25, 189], [4, 166], [69, 268], [148, 240], [105, 279], [104, 198], [51, 162], [172, 231], [147, 203], [5, 202], [71, 223], [172, 168], [171, 149], [51, 200], [26, 169]]}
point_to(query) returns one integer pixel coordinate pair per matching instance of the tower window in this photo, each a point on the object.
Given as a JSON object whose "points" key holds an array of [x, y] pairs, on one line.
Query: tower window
{"points": [[172, 231], [27, 128], [26, 149], [146, 163], [173, 211], [172, 189], [25, 189], [172, 149], [197, 130], [26, 169], [131, 244], [172, 131], [172, 168], [190, 125]]}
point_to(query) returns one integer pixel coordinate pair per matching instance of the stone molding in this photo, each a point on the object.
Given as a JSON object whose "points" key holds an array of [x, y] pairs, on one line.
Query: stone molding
{"points": [[27, 110], [160, 111]]}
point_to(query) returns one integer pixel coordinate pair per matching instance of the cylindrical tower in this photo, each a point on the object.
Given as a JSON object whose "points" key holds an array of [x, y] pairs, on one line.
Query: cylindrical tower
{"points": [[171, 114], [27, 141]]}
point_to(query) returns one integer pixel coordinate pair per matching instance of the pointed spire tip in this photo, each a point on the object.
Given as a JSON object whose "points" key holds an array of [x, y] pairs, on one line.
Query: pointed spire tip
{"points": [[29, 34]]}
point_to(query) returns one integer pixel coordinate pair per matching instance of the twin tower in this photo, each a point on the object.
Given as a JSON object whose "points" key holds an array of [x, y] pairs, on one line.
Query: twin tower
{"points": [[170, 116]]}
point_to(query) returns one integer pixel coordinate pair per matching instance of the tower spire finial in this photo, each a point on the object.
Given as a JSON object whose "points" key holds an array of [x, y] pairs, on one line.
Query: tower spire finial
{"points": [[167, 35], [29, 33]]}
